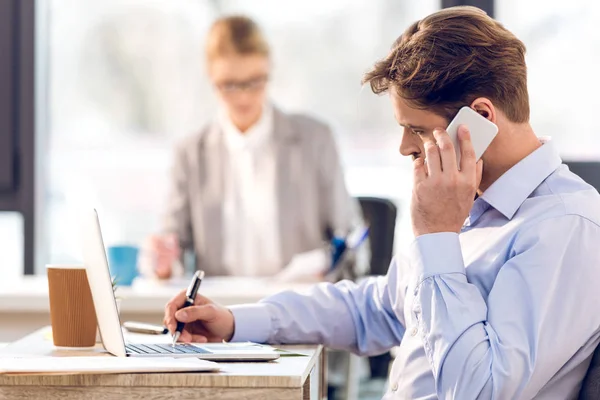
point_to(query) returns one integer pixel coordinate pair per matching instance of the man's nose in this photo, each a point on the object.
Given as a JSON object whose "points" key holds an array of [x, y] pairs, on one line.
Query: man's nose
{"points": [[408, 146]]}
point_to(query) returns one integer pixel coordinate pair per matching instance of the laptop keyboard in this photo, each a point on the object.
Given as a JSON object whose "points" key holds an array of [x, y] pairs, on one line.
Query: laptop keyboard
{"points": [[164, 349]]}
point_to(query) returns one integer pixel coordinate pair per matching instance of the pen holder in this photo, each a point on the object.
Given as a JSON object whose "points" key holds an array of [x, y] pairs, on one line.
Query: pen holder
{"points": [[72, 310]]}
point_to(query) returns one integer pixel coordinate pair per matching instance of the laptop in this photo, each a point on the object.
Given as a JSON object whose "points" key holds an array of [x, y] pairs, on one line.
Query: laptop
{"points": [[96, 264]]}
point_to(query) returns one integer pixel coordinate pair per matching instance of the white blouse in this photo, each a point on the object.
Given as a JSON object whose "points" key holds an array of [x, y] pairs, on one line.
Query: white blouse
{"points": [[250, 209]]}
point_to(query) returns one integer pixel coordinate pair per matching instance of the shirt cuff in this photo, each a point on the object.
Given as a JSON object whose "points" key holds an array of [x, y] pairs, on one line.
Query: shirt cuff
{"points": [[252, 323], [436, 254]]}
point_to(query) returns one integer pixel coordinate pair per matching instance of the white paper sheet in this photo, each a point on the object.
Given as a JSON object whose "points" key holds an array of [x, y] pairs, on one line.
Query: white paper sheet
{"points": [[305, 267], [103, 365]]}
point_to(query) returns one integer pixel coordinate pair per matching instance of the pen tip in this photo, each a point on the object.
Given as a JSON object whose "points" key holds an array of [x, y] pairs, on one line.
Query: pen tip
{"points": [[175, 337]]}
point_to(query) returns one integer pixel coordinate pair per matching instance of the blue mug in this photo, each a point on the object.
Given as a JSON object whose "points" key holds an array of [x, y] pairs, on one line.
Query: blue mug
{"points": [[122, 261]]}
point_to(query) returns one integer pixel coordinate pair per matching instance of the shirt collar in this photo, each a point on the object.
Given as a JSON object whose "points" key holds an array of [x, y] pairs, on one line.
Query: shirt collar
{"points": [[254, 136], [514, 187], [479, 207]]}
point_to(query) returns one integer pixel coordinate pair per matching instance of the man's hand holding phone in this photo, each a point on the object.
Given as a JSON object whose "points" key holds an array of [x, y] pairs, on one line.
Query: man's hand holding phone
{"points": [[442, 194]]}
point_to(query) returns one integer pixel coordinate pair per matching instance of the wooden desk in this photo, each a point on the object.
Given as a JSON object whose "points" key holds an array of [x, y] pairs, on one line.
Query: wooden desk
{"points": [[297, 378]]}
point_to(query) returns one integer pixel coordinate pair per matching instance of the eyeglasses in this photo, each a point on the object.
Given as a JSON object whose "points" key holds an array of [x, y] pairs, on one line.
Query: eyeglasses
{"points": [[252, 85]]}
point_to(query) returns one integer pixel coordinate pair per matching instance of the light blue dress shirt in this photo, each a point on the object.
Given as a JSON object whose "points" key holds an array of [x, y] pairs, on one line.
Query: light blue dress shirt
{"points": [[507, 309]]}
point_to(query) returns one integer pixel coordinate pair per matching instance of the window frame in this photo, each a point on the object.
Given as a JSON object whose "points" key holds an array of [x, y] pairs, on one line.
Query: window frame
{"points": [[17, 118]]}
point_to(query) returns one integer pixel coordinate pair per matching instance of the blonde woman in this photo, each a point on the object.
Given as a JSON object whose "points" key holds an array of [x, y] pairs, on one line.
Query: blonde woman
{"points": [[257, 187]]}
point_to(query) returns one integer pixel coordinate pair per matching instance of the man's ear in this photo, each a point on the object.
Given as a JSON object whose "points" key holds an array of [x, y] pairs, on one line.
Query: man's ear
{"points": [[485, 108]]}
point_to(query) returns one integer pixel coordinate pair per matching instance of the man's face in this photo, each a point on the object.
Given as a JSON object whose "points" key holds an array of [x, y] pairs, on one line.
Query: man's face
{"points": [[417, 125]]}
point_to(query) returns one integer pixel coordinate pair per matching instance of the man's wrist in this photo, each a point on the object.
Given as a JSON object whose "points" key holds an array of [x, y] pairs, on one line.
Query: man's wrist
{"points": [[436, 254], [251, 323]]}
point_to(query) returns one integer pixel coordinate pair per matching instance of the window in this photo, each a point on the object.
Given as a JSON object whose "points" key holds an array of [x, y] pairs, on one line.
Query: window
{"points": [[563, 52], [12, 244], [125, 81]]}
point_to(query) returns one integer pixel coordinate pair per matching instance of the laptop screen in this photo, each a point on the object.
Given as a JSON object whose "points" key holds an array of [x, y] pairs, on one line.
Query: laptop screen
{"points": [[96, 264]]}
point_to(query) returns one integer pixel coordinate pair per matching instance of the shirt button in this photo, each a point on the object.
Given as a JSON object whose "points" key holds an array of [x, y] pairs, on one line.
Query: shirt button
{"points": [[414, 331], [395, 387]]}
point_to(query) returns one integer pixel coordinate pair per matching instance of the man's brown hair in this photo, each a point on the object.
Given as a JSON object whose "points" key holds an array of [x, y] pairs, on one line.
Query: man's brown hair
{"points": [[235, 34], [448, 59]]}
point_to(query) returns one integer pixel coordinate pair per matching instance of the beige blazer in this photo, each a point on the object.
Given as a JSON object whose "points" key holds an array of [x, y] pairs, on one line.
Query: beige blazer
{"points": [[312, 195]]}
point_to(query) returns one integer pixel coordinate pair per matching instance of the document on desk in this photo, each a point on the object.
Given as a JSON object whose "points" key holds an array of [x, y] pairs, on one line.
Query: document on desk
{"points": [[102, 365], [305, 267]]}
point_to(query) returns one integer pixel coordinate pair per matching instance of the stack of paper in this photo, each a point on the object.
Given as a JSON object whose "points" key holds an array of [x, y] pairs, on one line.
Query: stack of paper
{"points": [[102, 365]]}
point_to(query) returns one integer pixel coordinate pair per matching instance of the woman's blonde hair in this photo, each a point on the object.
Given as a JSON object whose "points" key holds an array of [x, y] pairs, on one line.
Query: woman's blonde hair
{"points": [[235, 35]]}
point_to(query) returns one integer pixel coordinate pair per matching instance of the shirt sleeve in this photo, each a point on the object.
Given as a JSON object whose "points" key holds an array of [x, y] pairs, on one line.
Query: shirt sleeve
{"points": [[356, 317], [510, 344]]}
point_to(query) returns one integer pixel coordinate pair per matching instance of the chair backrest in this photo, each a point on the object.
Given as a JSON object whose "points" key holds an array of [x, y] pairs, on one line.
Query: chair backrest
{"points": [[380, 215], [590, 389], [589, 171]]}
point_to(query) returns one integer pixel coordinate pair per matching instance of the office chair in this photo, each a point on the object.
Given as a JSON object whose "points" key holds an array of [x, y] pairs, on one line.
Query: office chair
{"points": [[380, 215], [589, 171], [590, 389]]}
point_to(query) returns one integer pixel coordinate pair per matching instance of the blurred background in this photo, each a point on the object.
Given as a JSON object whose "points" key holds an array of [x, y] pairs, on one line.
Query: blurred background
{"points": [[126, 81], [118, 82], [97, 94], [121, 81]]}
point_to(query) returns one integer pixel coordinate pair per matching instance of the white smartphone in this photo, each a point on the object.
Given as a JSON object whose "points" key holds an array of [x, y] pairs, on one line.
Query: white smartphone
{"points": [[483, 131]]}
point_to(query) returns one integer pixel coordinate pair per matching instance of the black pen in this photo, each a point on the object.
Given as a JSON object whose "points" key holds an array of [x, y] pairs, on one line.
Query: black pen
{"points": [[190, 296]]}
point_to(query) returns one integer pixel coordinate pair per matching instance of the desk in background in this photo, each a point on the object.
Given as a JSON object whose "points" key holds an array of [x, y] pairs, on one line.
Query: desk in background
{"points": [[24, 304], [289, 378]]}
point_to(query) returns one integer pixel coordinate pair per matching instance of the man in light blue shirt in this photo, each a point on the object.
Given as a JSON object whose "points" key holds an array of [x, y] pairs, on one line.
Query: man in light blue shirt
{"points": [[497, 297]]}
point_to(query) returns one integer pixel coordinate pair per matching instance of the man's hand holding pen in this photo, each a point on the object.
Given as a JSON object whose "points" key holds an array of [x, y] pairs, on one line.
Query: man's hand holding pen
{"points": [[205, 321]]}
